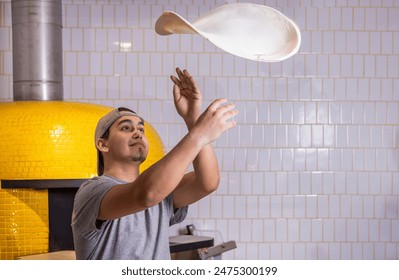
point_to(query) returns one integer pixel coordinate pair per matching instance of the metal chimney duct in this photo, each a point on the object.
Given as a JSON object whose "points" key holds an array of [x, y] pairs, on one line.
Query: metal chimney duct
{"points": [[37, 49]]}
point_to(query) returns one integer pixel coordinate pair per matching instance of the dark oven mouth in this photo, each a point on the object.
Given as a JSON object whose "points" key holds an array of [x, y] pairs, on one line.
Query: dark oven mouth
{"points": [[60, 204]]}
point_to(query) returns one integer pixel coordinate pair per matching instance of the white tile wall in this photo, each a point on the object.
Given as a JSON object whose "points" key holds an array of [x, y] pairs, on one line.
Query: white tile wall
{"points": [[311, 172]]}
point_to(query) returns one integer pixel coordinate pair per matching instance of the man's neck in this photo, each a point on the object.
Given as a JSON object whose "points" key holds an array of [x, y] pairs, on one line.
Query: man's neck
{"points": [[125, 174]]}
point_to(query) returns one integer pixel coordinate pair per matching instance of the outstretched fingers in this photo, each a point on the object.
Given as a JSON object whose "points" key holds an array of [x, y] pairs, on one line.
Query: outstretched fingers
{"points": [[227, 115], [226, 112], [221, 108], [181, 80], [186, 83], [217, 118], [176, 93], [216, 104]]}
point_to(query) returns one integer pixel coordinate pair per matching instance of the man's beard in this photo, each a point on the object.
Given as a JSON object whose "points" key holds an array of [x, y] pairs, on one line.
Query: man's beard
{"points": [[139, 157]]}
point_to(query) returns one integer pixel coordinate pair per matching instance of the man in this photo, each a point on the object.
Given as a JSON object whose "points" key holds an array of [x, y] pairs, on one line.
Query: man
{"points": [[122, 214]]}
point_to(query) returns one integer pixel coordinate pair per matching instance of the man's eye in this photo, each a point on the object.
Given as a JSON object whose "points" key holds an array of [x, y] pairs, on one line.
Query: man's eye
{"points": [[126, 128], [141, 129]]}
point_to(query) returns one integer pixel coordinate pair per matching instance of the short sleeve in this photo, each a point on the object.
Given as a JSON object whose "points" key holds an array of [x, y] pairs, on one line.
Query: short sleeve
{"points": [[87, 203], [177, 214]]}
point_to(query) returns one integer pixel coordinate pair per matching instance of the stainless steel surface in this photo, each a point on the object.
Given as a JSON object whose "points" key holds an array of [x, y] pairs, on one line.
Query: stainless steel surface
{"points": [[181, 243], [37, 49]]}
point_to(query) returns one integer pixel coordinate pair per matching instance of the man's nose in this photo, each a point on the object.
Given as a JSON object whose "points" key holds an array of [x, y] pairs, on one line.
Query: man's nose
{"points": [[137, 134]]}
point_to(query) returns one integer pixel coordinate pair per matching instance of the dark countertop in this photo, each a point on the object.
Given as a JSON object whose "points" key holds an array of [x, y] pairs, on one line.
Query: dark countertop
{"points": [[181, 243]]}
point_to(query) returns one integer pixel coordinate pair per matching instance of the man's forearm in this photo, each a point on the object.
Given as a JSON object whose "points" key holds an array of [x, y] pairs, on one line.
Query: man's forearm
{"points": [[206, 169]]}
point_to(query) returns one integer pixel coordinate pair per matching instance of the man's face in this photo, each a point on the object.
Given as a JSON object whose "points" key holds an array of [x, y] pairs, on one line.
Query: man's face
{"points": [[127, 140]]}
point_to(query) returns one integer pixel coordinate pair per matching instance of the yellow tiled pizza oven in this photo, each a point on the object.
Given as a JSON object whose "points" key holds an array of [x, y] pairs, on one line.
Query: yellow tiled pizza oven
{"points": [[44, 140]]}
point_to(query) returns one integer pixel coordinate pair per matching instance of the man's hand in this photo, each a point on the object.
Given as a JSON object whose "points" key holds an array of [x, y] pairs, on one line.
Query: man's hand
{"points": [[216, 119], [187, 97]]}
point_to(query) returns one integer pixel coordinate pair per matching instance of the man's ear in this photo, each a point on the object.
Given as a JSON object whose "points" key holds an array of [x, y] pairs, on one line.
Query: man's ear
{"points": [[102, 145]]}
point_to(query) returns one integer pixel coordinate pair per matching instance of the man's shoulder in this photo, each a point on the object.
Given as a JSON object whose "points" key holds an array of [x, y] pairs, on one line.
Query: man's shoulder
{"points": [[97, 184], [103, 179]]}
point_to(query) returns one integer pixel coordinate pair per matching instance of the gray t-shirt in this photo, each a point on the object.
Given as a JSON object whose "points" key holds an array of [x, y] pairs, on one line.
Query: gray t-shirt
{"points": [[143, 235]]}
